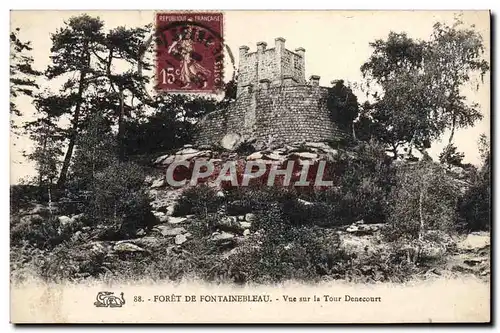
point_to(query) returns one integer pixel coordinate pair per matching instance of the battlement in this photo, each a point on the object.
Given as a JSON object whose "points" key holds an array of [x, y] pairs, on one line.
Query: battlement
{"points": [[271, 67]]}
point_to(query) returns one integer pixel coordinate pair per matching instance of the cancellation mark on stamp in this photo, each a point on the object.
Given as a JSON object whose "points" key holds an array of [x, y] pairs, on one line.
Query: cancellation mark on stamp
{"points": [[189, 52]]}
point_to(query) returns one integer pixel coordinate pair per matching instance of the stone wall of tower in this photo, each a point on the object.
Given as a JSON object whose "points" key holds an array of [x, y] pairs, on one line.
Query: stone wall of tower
{"points": [[285, 113]]}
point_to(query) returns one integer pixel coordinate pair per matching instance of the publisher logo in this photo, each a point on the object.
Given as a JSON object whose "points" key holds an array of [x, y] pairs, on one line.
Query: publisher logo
{"points": [[106, 299]]}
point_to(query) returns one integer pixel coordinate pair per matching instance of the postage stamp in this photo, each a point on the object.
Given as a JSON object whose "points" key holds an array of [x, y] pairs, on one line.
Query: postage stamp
{"points": [[189, 52]]}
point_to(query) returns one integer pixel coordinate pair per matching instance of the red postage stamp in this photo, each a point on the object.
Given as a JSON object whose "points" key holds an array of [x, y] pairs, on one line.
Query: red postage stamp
{"points": [[189, 52]]}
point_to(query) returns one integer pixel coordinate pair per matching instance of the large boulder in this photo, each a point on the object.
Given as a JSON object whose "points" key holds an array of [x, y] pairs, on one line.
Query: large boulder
{"points": [[475, 241], [127, 247], [189, 156], [245, 225], [68, 222], [255, 156], [228, 223], [31, 219], [177, 220], [180, 239], [223, 239], [231, 141], [151, 243], [250, 217], [164, 159], [98, 247], [168, 231], [159, 182], [186, 154]]}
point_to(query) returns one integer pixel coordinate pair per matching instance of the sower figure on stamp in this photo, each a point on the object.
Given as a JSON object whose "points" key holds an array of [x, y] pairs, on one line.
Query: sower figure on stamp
{"points": [[190, 69]]}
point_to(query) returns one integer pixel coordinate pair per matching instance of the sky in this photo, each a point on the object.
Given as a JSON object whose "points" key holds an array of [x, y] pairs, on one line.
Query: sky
{"points": [[336, 44]]}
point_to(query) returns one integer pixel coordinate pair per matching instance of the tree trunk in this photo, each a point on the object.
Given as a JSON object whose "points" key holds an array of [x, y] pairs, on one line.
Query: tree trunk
{"points": [[121, 152], [411, 143], [50, 199], [453, 125], [41, 171], [74, 131], [421, 211], [394, 150]]}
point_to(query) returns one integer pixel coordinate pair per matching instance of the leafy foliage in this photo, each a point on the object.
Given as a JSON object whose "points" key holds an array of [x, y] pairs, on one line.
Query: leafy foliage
{"points": [[417, 92], [197, 200], [97, 149], [84, 55], [22, 74], [41, 230], [424, 198], [342, 104], [365, 180], [118, 201], [170, 126], [451, 156], [475, 205]]}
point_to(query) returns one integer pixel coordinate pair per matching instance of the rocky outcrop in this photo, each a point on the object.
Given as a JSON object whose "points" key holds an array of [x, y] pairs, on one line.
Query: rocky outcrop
{"points": [[311, 151]]}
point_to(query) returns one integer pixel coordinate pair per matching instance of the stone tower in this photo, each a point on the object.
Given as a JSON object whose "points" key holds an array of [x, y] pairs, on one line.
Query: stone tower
{"points": [[270, 67], [274, 102]]}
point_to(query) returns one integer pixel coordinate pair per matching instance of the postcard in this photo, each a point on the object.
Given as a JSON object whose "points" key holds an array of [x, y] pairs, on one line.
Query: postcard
{"points": [[250, 167]]}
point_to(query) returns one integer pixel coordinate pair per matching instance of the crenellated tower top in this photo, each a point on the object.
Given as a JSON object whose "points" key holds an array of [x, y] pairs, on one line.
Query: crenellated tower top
{"points": [[274, 66]]}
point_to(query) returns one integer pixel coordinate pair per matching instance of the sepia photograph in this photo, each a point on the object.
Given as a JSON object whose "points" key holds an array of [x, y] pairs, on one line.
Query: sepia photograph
{"points": [[208, 166]]}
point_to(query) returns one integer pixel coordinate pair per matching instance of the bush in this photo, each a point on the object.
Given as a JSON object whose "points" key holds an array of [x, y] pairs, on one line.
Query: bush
{"points": [[21, 196], [197, 200], [40, 231], [365, 180], [342, 104], [286, 251], [474, 207], [67, 262], [389, 264], [256, 198], [118, 200], [424, 198]]}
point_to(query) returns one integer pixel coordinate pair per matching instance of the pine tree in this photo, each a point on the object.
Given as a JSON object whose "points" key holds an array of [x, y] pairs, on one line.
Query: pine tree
{"points": [[85, 55], [22, 75]]}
